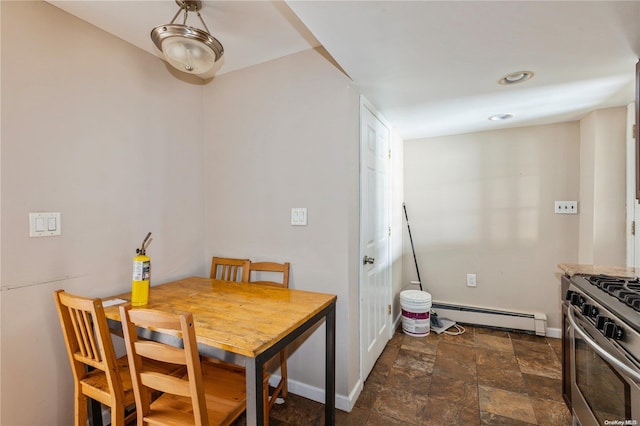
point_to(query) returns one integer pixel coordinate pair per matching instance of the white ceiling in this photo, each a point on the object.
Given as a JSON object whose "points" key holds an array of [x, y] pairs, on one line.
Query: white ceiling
{"points": [[430, 67]]}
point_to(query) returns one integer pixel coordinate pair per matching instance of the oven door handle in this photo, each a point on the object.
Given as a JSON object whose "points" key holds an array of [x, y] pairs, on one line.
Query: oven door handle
{"points": [[634, 374]]}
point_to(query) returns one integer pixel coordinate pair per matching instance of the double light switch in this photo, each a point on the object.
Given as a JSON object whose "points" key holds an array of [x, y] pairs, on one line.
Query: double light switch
{"points": [[44, 224]]}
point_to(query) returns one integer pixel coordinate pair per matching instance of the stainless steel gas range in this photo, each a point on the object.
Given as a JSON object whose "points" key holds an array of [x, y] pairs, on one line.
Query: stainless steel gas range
{"points": [[601, 349]]}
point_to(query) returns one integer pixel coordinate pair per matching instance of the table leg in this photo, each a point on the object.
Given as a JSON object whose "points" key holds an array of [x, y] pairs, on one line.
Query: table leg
{"points": [[330, 368], [255, 401], [94, 408], [94, 413]]}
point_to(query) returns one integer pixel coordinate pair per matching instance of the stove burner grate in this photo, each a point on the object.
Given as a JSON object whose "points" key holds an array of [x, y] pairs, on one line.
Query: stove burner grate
{"points": [[627, 290]]}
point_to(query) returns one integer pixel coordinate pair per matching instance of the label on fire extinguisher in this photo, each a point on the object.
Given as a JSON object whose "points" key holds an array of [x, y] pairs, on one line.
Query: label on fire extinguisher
{"points": [[141, 270]]}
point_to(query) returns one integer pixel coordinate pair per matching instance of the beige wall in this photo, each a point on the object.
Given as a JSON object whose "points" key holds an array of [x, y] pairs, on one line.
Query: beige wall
{"points": [[603, 187], [283, 135], [483, 203], [99, 131], [103, 133]]}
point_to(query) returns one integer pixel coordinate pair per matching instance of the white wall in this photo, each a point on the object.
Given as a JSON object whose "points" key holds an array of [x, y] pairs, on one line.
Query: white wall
{"points": [[280, 135], [483, 203], [603, 187], [99, 131]]}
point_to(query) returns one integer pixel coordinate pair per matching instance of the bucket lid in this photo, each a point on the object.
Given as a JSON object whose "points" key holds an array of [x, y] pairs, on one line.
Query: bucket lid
{"points": [[415, 296]]}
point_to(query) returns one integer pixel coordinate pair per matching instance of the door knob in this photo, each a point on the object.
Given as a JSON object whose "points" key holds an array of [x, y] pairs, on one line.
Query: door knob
{"points": [[368, 259]]}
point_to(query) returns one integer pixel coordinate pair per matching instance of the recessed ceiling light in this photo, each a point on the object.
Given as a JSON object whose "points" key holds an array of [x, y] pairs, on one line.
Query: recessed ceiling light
{"points": [[500, 117], [516, 77]]}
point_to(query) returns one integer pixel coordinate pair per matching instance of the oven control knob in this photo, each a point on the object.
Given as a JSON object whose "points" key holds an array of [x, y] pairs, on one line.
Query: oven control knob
{"points": [[589, 310], [569, 294], [613, 331], [576, 299], [601, 320]]}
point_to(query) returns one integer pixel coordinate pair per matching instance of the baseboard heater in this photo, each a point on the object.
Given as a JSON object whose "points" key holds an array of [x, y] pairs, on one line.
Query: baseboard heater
{"points": [[533, 322]]}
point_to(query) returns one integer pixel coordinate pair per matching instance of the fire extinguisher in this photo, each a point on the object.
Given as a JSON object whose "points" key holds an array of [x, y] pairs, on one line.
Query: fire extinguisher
{"points": [[141, 275]]}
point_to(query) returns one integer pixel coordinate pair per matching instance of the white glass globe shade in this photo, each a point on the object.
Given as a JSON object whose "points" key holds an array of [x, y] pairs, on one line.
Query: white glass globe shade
{"points": [[188, 55]]}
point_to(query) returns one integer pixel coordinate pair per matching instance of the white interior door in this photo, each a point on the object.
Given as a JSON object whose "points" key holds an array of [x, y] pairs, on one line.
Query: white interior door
{"points": [[375, 277]]}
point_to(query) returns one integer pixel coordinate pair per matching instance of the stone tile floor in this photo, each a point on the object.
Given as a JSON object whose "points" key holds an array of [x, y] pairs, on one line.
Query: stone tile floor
{"points": [[482, 377]]}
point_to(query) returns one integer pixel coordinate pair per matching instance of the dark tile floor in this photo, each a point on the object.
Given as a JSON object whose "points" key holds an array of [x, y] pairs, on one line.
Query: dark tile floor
{"points": [[482, 377]]}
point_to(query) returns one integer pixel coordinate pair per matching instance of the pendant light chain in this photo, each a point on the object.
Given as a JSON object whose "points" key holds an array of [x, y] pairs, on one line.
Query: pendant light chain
{"points": [[186, 14]]}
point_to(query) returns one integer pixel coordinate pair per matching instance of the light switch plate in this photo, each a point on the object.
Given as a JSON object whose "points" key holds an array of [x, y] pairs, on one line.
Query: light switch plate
{"points": [[299, 216], [44, 224]]}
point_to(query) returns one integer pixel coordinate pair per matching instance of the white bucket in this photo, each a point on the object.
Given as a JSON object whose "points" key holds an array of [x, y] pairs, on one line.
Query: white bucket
{"points": [[416, 307]]}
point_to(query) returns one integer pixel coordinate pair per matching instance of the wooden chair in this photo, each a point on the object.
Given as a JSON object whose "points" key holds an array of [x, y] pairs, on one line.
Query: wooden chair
{"points": [[227, 269], [96, 371], [209, 394], [258, 271]]}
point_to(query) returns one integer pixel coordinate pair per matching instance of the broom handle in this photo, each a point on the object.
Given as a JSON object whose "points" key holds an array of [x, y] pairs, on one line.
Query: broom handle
{"points": [[412, 249]]}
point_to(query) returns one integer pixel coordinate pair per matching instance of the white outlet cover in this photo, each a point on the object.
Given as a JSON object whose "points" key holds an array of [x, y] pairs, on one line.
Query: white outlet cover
{"points": [[566, 207], [471, 280]]}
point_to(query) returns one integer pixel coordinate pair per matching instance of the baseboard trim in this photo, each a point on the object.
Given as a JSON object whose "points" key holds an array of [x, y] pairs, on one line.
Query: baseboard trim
{"points": [[555, 333], [510, 319], [343, 402]]}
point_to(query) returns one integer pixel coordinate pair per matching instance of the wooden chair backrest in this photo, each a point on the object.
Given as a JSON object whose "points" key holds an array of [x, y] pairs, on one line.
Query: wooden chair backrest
{"points": [[145, 381], [228, 269], [88, 340], [268, 268]]}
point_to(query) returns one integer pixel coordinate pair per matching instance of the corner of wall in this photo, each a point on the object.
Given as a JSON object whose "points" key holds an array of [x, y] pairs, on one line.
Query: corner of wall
{"points": [[603, 193], [397, 224]]}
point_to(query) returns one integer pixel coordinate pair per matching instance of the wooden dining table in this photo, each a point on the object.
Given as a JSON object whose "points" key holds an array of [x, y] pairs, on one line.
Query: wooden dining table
{"points": [[243, 323]]}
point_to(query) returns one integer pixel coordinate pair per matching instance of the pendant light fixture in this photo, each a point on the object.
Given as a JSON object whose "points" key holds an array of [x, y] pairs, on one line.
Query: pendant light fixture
{"points": [[186, 48]]}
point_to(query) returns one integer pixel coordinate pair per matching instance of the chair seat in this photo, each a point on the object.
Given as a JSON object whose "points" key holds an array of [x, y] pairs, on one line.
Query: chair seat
{"points": [[225, 396], [224, 384], [265, 382]]}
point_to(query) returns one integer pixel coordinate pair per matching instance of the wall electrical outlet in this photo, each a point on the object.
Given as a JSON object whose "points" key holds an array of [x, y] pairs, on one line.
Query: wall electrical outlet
{"points": [[566, 207], [471, 280]]}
